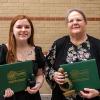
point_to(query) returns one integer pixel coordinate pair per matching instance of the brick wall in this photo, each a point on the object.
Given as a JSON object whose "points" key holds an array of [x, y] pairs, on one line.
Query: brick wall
{"points": [[48, 17]]}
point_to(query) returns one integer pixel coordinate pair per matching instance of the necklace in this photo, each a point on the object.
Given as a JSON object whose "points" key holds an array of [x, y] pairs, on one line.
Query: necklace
{"points": [[26, 55], [78, 42], [29, 53]]}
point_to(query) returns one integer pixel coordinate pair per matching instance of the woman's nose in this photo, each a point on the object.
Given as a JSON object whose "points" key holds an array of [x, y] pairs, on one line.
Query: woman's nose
{"points": [[23, 28], [74, 21]]}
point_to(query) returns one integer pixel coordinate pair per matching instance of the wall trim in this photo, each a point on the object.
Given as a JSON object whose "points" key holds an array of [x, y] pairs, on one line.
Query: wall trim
{"points": [[4, 18]]}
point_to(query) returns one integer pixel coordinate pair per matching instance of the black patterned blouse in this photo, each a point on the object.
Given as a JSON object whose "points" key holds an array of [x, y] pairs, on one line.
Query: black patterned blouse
{"points": [[64, 51]]}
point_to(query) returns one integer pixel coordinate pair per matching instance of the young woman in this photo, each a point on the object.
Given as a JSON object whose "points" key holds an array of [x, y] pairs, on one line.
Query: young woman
{"points": [[21, 47]]}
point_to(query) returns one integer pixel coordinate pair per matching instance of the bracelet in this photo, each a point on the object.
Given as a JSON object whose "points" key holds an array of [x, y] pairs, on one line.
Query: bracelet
{"points": [[38, 82]]}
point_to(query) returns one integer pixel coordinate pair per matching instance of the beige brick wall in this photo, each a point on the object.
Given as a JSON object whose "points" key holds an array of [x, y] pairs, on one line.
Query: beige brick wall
{"points": [[46, 31]]}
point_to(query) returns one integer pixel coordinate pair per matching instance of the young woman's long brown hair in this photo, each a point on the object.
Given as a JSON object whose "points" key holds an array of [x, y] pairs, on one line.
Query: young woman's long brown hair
{"points": [[11, 55]]}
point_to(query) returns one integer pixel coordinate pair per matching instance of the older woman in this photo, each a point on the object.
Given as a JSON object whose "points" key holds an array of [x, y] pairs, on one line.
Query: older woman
{"points": [[75, 47]]}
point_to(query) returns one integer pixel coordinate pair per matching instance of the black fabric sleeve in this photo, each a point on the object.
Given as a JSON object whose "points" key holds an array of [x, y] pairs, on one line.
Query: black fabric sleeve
{"points": [[3, 53], [50, 60], [2, 98], [40, 59]]}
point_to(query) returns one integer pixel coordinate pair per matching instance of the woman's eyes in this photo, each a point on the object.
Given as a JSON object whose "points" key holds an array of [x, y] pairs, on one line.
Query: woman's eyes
{"points": [[26, 27], [72, 20]]}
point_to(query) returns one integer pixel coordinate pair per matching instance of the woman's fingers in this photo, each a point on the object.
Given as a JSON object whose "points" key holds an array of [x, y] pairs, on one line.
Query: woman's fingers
{"points": [[8, 92]]}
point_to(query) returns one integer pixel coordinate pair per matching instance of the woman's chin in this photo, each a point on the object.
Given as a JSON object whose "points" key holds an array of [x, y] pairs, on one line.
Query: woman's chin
{"points": [[75, 33]]}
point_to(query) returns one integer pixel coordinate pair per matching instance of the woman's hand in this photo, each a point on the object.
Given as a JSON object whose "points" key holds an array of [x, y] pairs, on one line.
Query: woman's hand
{"points": [[39, 82], [8, 93], [34, 89], [58, 77], [89, 93]]}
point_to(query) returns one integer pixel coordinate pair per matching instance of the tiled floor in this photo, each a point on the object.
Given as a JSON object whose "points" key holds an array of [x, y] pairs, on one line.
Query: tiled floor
{"points": [[46, 96]]}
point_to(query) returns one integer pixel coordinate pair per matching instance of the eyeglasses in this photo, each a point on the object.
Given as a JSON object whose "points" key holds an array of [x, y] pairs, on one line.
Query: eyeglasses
{"points": [[77, 20]]}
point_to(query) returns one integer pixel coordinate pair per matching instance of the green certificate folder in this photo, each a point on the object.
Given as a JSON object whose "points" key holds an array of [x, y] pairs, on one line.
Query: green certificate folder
{"points": [[15, 75], [83, 74]]}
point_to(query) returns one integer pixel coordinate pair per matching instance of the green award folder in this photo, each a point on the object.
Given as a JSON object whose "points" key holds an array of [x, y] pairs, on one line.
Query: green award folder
{"points": [[15, 75], [83, 74]]}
